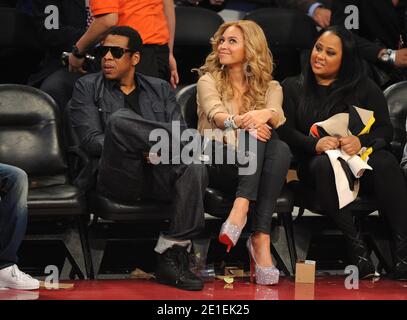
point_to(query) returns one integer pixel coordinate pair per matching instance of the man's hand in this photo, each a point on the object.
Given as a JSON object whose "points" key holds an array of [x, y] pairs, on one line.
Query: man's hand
{"points": [[401, 58], [351, 145], [174, 79], [322, 17], [327, 143], [75, 64]]}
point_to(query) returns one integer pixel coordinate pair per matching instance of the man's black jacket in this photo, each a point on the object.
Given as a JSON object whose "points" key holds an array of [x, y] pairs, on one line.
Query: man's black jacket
{"points": [[95, 98]]}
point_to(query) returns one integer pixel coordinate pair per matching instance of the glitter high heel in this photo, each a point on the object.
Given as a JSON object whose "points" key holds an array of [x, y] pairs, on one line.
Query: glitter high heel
{"points": [[264, 275], [229, 234]]}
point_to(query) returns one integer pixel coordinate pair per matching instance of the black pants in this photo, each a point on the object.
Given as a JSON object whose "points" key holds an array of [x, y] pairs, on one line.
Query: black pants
{"points": [[385, 181], [264, 186], [154, 61], [124, 175]]}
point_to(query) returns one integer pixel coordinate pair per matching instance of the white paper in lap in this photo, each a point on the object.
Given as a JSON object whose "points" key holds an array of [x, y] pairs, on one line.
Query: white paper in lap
{"points": [[357, 166]]}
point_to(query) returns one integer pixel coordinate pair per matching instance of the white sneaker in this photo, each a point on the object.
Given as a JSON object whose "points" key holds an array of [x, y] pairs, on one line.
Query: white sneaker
{"points": [[13, 278]]}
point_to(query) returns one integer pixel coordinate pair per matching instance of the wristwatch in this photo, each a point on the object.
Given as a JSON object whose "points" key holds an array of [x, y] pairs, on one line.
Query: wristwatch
{"points": [[229, 123], [389, 56], [75, 52]]}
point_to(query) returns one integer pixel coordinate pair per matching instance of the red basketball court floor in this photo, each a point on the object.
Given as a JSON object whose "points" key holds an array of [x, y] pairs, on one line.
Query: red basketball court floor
{"points": [[325, 288]]}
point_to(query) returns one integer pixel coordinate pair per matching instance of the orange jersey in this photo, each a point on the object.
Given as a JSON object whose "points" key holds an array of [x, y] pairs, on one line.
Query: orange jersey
{"points": [[146, 16]]}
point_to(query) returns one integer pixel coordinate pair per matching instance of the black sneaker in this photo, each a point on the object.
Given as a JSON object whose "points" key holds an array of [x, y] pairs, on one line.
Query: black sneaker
{"points": [[400, 271], [400, 257], [173, 269]]}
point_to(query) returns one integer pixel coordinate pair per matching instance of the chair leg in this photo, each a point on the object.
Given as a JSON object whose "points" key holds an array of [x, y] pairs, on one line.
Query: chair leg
{"points": [[75, 253], [83, 234], [97, 250], [280, 263], [289, 232]]}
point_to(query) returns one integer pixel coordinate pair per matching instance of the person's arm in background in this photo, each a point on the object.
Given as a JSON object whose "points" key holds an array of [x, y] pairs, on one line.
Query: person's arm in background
{"points": [[169, 11], [105, 17], [64, 36], [316, 10], [369, 50], [215, 5], [86, 119]]}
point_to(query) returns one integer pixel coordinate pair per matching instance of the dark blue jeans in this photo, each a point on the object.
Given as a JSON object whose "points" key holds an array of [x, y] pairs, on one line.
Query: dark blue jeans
{"points": [[13, 212]]}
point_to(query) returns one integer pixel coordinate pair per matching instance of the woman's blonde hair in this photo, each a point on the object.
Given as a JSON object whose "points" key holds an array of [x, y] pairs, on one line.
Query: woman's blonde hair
{"points": [[259, 65]]}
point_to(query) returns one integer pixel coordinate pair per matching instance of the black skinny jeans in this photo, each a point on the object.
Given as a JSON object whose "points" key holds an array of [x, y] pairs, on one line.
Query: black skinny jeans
{"points": [[264, 186], [385, 181]]}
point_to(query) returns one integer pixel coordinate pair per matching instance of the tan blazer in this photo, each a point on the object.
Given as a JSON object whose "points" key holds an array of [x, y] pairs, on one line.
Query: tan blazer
{"points": [[209, 104]]}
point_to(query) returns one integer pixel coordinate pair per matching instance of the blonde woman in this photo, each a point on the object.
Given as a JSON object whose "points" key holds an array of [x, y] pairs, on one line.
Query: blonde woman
{"points": [[237, 95]]}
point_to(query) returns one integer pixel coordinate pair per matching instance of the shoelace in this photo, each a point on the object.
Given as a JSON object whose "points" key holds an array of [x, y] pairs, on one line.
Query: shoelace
{"points": [[17, 273]]}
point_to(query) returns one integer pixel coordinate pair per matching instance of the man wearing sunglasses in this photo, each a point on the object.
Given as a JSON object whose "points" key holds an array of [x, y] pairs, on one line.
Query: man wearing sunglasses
{"points": [[153, 19], [113, 113]]}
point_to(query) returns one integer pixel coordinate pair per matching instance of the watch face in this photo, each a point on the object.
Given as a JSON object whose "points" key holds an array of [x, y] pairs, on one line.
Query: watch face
{"points": [[385, 57]]}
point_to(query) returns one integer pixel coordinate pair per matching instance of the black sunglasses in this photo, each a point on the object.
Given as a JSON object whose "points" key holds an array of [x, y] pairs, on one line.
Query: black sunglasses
{"points": [[117, 52]]}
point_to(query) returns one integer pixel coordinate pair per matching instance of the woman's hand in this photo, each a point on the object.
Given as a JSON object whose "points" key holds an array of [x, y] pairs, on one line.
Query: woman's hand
{"points": [[255, 119], [263, 133], [327, 143], [351, 145]]}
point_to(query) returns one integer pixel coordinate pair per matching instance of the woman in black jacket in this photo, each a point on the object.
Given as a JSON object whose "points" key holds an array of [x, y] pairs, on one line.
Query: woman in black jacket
{"points": [[334, 83]]}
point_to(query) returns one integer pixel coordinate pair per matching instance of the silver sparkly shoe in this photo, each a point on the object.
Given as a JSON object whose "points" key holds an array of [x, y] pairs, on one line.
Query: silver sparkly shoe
{"points": [[229, 234], [264, 275]]}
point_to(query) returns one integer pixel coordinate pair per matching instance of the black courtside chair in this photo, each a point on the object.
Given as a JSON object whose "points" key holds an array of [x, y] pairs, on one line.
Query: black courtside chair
{"points": [[30, 139], [396, 96], [290, 34], [194, 28], [20, 49]]}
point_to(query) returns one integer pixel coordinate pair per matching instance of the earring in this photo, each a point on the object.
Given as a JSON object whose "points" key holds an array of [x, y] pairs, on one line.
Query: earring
{"points": [[248, 70], [222, 67]]}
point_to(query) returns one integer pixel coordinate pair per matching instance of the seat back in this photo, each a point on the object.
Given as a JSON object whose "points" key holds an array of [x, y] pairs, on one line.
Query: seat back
{"points": [[8, 3], [20, 52], [396, 96], [194, 28], [289, 33], [29, 131], [186, 98]]}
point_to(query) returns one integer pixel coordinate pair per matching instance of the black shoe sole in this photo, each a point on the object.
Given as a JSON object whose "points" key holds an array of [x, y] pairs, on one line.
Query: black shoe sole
{"points": [[369, 276], [187, 288]]}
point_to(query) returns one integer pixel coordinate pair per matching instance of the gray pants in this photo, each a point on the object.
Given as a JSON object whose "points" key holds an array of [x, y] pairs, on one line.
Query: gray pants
{"points": [[125, 176]]}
